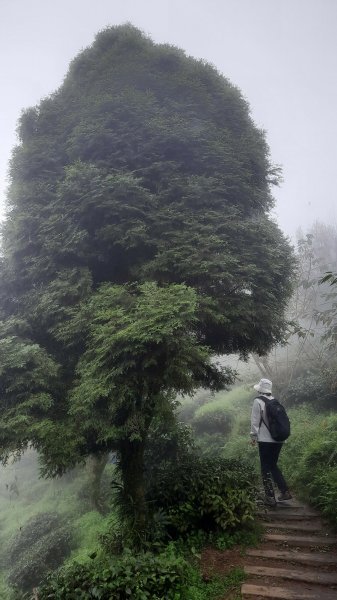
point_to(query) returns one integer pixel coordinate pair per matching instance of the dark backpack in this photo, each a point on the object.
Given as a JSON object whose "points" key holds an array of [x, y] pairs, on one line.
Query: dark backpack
{"points": [[279, 424]]}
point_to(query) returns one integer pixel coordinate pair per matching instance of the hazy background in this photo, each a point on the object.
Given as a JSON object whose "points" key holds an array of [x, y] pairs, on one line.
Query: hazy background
{"points": [[282, 54]]}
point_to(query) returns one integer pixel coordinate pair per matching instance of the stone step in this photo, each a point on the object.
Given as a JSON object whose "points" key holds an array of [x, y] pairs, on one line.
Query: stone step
{"points": [[299, 540], [288, 510], [305, 558], [287, 593], [289, 516], [285, 504], [295, 526], [293, 574], [296, 504]]}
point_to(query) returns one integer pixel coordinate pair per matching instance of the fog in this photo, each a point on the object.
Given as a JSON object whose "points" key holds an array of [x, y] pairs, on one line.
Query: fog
{"points": [[282, 55]]}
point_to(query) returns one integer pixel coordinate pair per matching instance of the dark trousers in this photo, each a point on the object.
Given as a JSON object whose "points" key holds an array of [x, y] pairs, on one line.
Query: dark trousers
{"points": [[269, 453]]}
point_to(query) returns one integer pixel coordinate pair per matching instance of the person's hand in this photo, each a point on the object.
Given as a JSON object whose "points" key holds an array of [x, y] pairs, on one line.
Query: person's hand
{"points": [[253, 442]]}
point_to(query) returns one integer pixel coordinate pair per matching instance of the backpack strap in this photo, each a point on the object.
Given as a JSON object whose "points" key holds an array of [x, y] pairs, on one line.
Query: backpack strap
{"points": [[265, 400]]}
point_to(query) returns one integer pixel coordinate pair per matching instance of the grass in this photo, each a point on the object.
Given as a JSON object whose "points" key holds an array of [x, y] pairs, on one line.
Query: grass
{"points": [[87, 529], [235, 400], [235, 444], [217, 587]]}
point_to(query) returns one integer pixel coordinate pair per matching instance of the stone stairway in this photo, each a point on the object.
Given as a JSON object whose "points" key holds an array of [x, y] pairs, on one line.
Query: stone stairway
{"points": [[297, 559]]}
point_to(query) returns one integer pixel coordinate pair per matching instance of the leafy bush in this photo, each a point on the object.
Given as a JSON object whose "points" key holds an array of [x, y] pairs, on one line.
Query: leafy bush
{"points": [[189, 405], [168, 440], [211, 444], [204, 493], [140, 577], [41, 545], [202, 406], [220, 419], [195, 542], [217, 587], [317, 389], [217, 421], [238, 447], [145, 576]]}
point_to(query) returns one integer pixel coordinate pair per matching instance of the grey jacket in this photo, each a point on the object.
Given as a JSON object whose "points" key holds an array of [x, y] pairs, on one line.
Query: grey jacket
{"points": [[261, 434]]}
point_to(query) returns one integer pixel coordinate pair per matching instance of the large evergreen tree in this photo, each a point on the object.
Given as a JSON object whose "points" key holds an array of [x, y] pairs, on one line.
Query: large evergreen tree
{"points": [[137, 246]]}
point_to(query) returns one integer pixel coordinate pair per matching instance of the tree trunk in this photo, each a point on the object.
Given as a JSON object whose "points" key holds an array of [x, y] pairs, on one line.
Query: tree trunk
{"points": [[132, 469], [263, 365], [96, 464]]}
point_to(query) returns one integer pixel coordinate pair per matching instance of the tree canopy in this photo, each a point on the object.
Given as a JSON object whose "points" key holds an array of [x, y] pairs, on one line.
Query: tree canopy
{"points": [[138, 245]]}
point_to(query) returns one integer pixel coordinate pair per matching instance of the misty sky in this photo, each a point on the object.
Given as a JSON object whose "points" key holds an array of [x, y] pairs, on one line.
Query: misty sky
{"points": [[282, 54]]}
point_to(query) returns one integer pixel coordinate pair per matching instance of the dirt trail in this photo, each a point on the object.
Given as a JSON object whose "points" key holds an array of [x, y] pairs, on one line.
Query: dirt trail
{"points": [[297, 559]]}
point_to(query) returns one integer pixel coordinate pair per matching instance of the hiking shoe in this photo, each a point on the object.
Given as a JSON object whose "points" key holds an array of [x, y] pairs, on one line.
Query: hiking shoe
{"points": [[285, 496], [268, 501]]}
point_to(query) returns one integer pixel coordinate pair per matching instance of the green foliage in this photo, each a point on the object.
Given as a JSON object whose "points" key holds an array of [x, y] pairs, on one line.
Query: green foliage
{"points": [[324, 492], [87, 530], [232, 410], [189, 404], [213, 422], [142, 576], [204, 493], [217, 587], [248, 536], [316, 389], [169, 441], [313, 474], [193, 543], [318, 483], [203, 404], [238, 447], [140, 343], [165, 576]]}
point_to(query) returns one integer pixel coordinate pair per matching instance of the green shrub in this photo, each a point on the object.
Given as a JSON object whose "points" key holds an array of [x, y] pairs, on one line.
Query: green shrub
{"points": [[204, 493], [168, 441], [189, 405], [88, 529], [193, 544], [221, 419], [316, 389], [213, 422], [238, 447], [140, 577], [211, 444], [219, 587]]}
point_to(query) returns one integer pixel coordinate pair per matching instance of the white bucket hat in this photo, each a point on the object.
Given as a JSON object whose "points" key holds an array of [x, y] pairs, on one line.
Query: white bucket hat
{"points": [[264, 386]]}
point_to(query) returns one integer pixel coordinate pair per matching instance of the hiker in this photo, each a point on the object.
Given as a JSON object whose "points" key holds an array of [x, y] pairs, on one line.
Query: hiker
{"points": [[269, 448]]}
